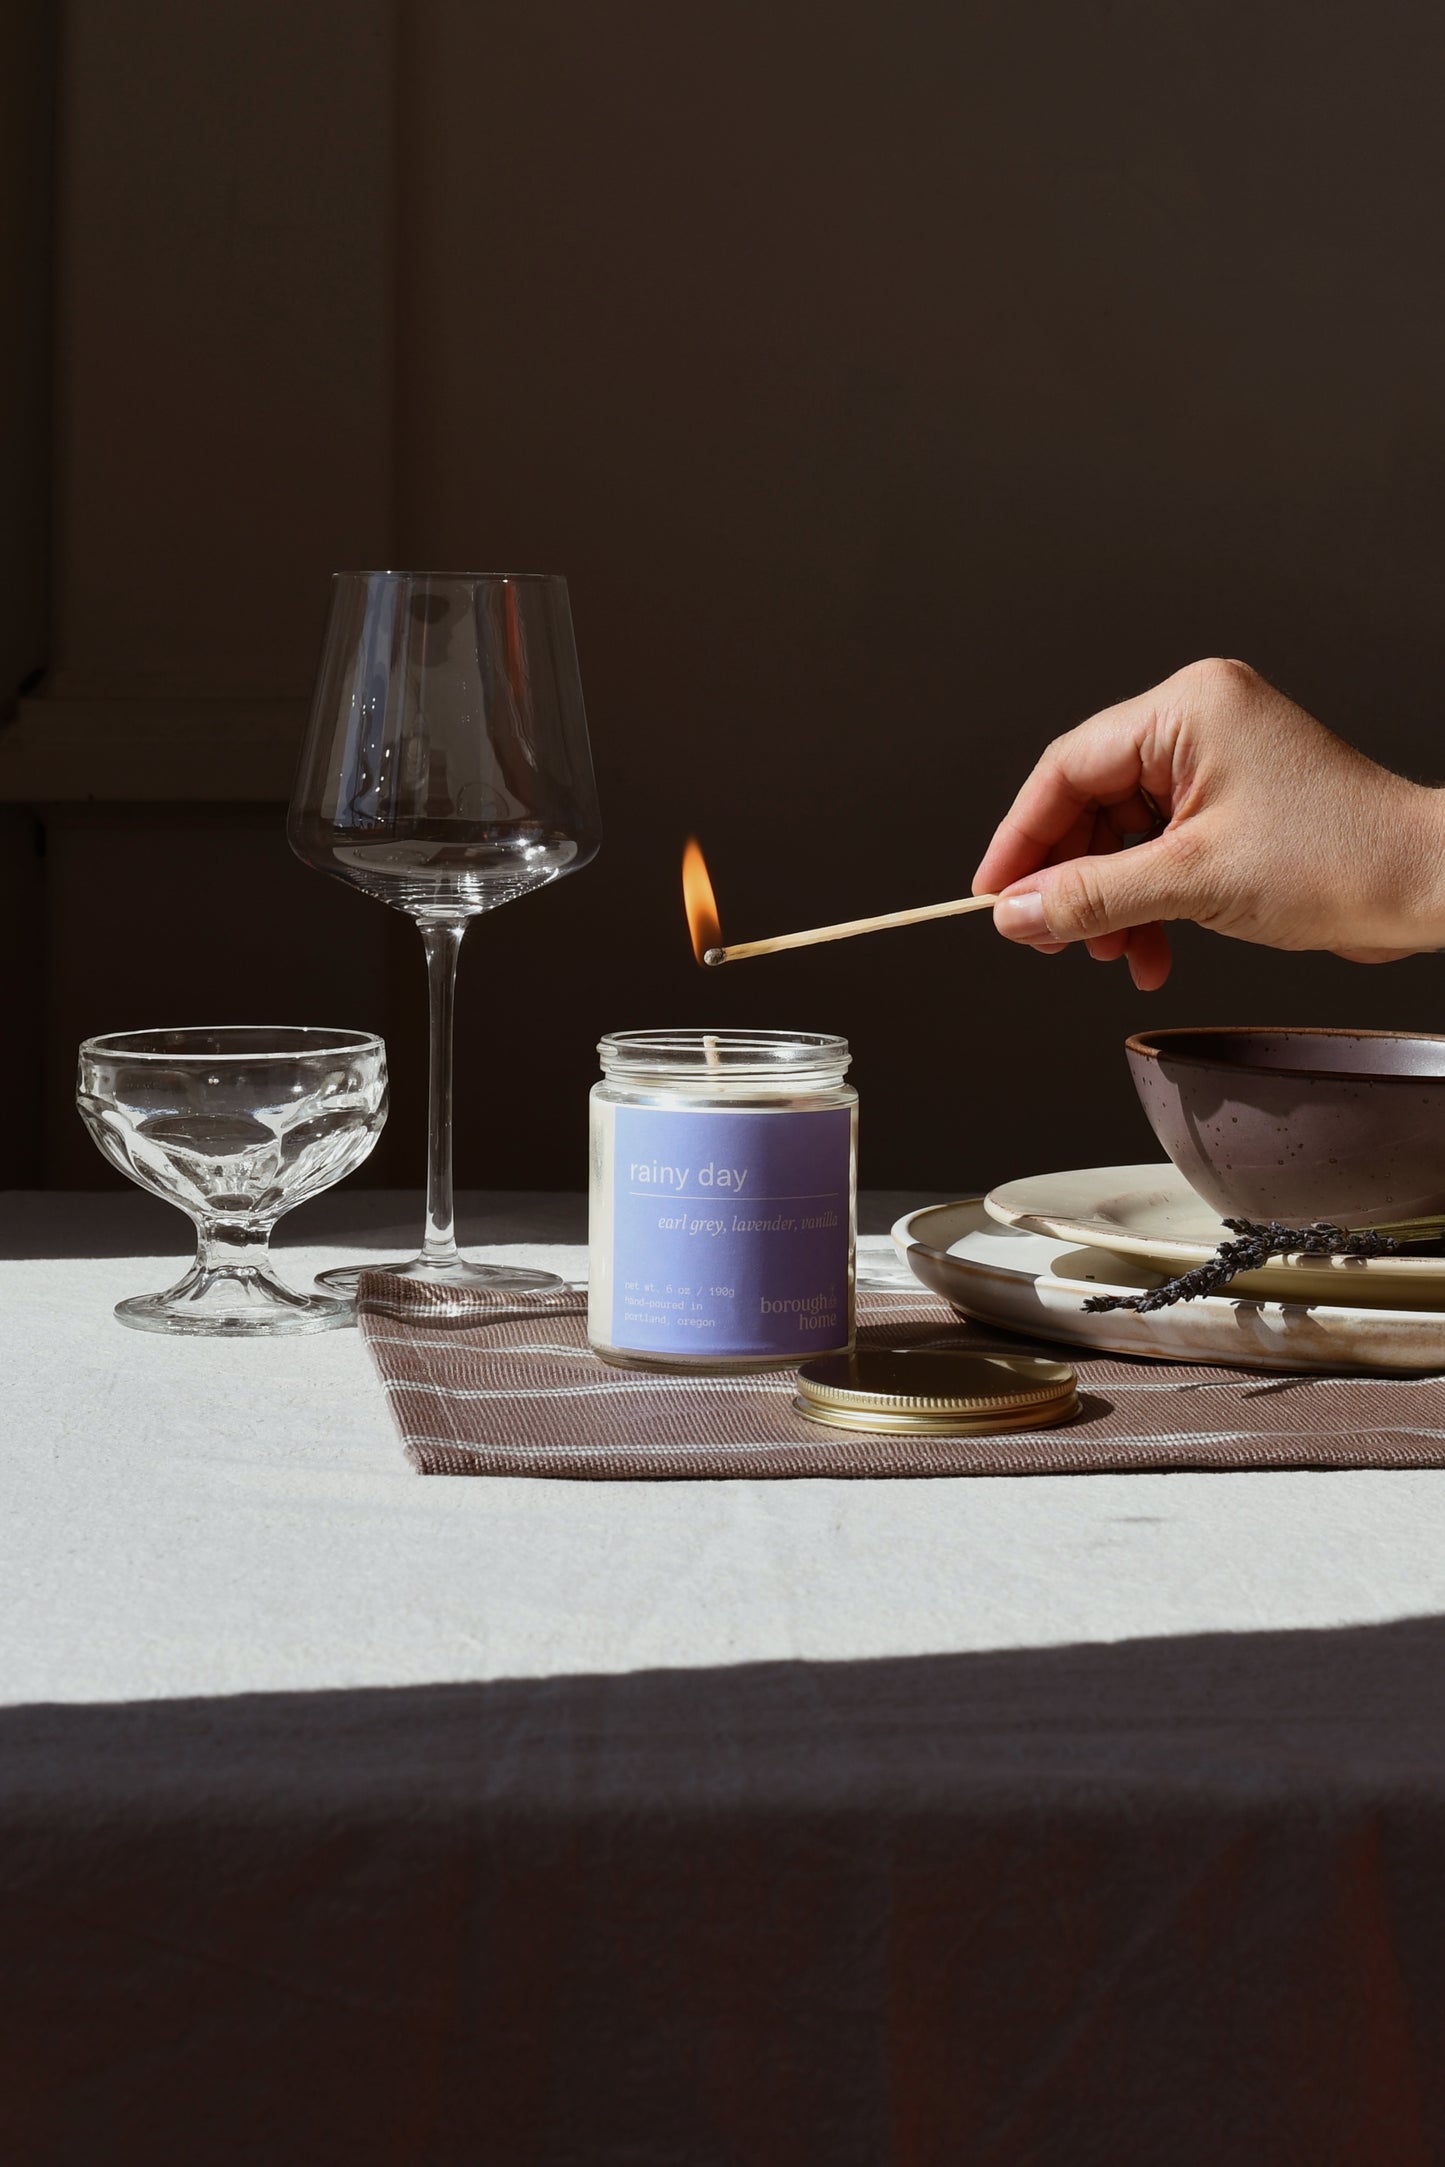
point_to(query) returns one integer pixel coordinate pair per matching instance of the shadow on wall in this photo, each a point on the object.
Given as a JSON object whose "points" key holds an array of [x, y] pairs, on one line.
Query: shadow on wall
{"points": [[1177, 1900]]}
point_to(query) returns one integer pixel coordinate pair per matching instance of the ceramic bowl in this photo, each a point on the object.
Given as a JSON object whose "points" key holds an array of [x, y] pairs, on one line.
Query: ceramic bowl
{"points": [[1295, 1125]]}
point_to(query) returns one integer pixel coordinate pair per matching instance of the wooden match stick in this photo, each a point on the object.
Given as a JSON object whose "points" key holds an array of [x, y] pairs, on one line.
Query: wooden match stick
{"points": [[736, 951]]}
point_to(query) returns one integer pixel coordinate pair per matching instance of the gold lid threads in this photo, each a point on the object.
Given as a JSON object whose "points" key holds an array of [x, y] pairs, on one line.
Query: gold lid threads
{"points": [[936, 1391]]}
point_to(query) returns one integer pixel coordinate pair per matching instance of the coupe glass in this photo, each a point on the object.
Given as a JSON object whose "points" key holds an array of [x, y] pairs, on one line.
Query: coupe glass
{"points": [[237, 1125], [446, 770]]}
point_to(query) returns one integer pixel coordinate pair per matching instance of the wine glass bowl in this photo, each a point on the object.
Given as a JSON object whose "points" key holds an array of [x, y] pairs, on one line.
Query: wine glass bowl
{"points": [[446, 770], [235, 1125]]}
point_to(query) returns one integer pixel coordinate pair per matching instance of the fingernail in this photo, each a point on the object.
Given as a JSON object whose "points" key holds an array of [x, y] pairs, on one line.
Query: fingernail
{"points": [[1021, 918]]}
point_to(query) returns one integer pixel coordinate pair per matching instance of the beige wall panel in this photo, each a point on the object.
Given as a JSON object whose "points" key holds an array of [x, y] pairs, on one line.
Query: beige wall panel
{"points": [[226, 319], [26, 96], [22, 978], [223, 441], [894, 386]]}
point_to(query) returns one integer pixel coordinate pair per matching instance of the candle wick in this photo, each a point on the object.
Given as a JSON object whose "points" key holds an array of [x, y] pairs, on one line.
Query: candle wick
{"points": [[709, 1047]]}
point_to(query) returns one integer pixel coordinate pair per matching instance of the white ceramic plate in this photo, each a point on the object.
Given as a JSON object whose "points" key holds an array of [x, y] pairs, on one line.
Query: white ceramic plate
{"points": [[1151, 1212], [1038, 1284]]}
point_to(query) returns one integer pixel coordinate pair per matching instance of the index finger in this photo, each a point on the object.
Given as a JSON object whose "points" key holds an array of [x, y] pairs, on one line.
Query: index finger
{"points": [[1107, 763]]}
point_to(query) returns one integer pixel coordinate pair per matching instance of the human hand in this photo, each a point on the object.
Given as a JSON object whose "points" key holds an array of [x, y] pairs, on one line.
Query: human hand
{"points": [[1258, 822]]}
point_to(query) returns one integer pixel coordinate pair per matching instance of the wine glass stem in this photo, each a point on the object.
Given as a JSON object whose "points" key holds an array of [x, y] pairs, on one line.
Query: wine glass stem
{"points": [[442, 942]]}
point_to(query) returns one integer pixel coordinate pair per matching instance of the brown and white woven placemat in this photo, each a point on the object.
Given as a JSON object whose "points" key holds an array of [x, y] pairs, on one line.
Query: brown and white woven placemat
{"points": [[487, 1385]]}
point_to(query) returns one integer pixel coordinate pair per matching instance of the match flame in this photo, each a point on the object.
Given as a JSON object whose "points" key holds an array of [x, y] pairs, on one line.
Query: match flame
{"points": [[699, 900]]}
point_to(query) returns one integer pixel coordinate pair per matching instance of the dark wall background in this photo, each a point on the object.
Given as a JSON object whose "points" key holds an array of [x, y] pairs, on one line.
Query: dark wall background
{"points": [[895, 386]]}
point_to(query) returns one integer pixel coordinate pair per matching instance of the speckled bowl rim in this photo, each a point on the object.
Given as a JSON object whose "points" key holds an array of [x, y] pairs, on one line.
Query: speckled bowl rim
{"points": [[1145, 1043]]}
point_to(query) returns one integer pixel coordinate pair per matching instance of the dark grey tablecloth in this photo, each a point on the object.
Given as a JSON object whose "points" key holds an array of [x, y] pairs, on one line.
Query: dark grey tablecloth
{"points": [[1172, 1902]]}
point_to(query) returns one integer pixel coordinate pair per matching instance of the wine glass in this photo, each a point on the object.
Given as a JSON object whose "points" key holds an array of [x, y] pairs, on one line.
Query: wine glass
{"points": [[445, 770]]}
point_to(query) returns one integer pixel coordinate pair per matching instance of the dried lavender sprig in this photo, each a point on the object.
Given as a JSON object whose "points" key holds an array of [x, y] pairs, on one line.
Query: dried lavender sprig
{"points": [[1257, 1242]]}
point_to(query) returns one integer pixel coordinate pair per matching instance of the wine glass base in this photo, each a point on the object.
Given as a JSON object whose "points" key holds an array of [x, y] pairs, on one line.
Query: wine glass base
{"points": [[461, 1277], [248, 1303]]}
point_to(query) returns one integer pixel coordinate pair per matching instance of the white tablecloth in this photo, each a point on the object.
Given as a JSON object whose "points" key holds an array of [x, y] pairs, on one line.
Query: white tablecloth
{"points": [[346, 1815], [200, 1517]]}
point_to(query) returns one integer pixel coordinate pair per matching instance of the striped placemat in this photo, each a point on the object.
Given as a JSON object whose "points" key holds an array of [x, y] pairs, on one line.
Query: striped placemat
{"points": [[482, 1384]]}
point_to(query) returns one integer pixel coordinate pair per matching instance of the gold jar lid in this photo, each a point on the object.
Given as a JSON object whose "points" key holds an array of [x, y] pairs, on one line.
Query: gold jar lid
{"points": [[936, 1391]]}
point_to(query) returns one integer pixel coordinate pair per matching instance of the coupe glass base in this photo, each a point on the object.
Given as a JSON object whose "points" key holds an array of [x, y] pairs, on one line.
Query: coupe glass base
{"points": [[248, 1303], [465, 1277]]}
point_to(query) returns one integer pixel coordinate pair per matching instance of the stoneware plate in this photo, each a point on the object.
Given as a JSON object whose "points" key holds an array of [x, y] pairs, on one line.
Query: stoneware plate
{"points": [[1151, 1212], [1036, 1283]]}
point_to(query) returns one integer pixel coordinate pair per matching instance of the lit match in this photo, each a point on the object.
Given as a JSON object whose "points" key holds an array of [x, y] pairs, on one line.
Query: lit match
{"points": [[738, 951], [706, 931]]}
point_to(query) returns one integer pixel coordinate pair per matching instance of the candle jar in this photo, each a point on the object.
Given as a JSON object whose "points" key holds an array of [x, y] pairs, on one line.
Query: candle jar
{"points": [[723, 1199]]}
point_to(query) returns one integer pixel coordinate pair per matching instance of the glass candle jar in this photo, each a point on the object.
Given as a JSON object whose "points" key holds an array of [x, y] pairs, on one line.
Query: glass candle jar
{"points": [[723, 1199]]}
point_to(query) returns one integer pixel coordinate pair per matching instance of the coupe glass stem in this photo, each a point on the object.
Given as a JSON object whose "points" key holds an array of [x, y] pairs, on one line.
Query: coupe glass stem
{"points": [[226, 1245], [442, 941]]}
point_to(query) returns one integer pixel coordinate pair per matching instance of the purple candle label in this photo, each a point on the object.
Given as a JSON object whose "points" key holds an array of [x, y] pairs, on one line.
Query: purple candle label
{"points": [[730, 1231]]}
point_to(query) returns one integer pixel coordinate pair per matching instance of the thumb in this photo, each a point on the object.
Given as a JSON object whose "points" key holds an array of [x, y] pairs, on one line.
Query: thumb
{"points": [[1085, 898]]}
